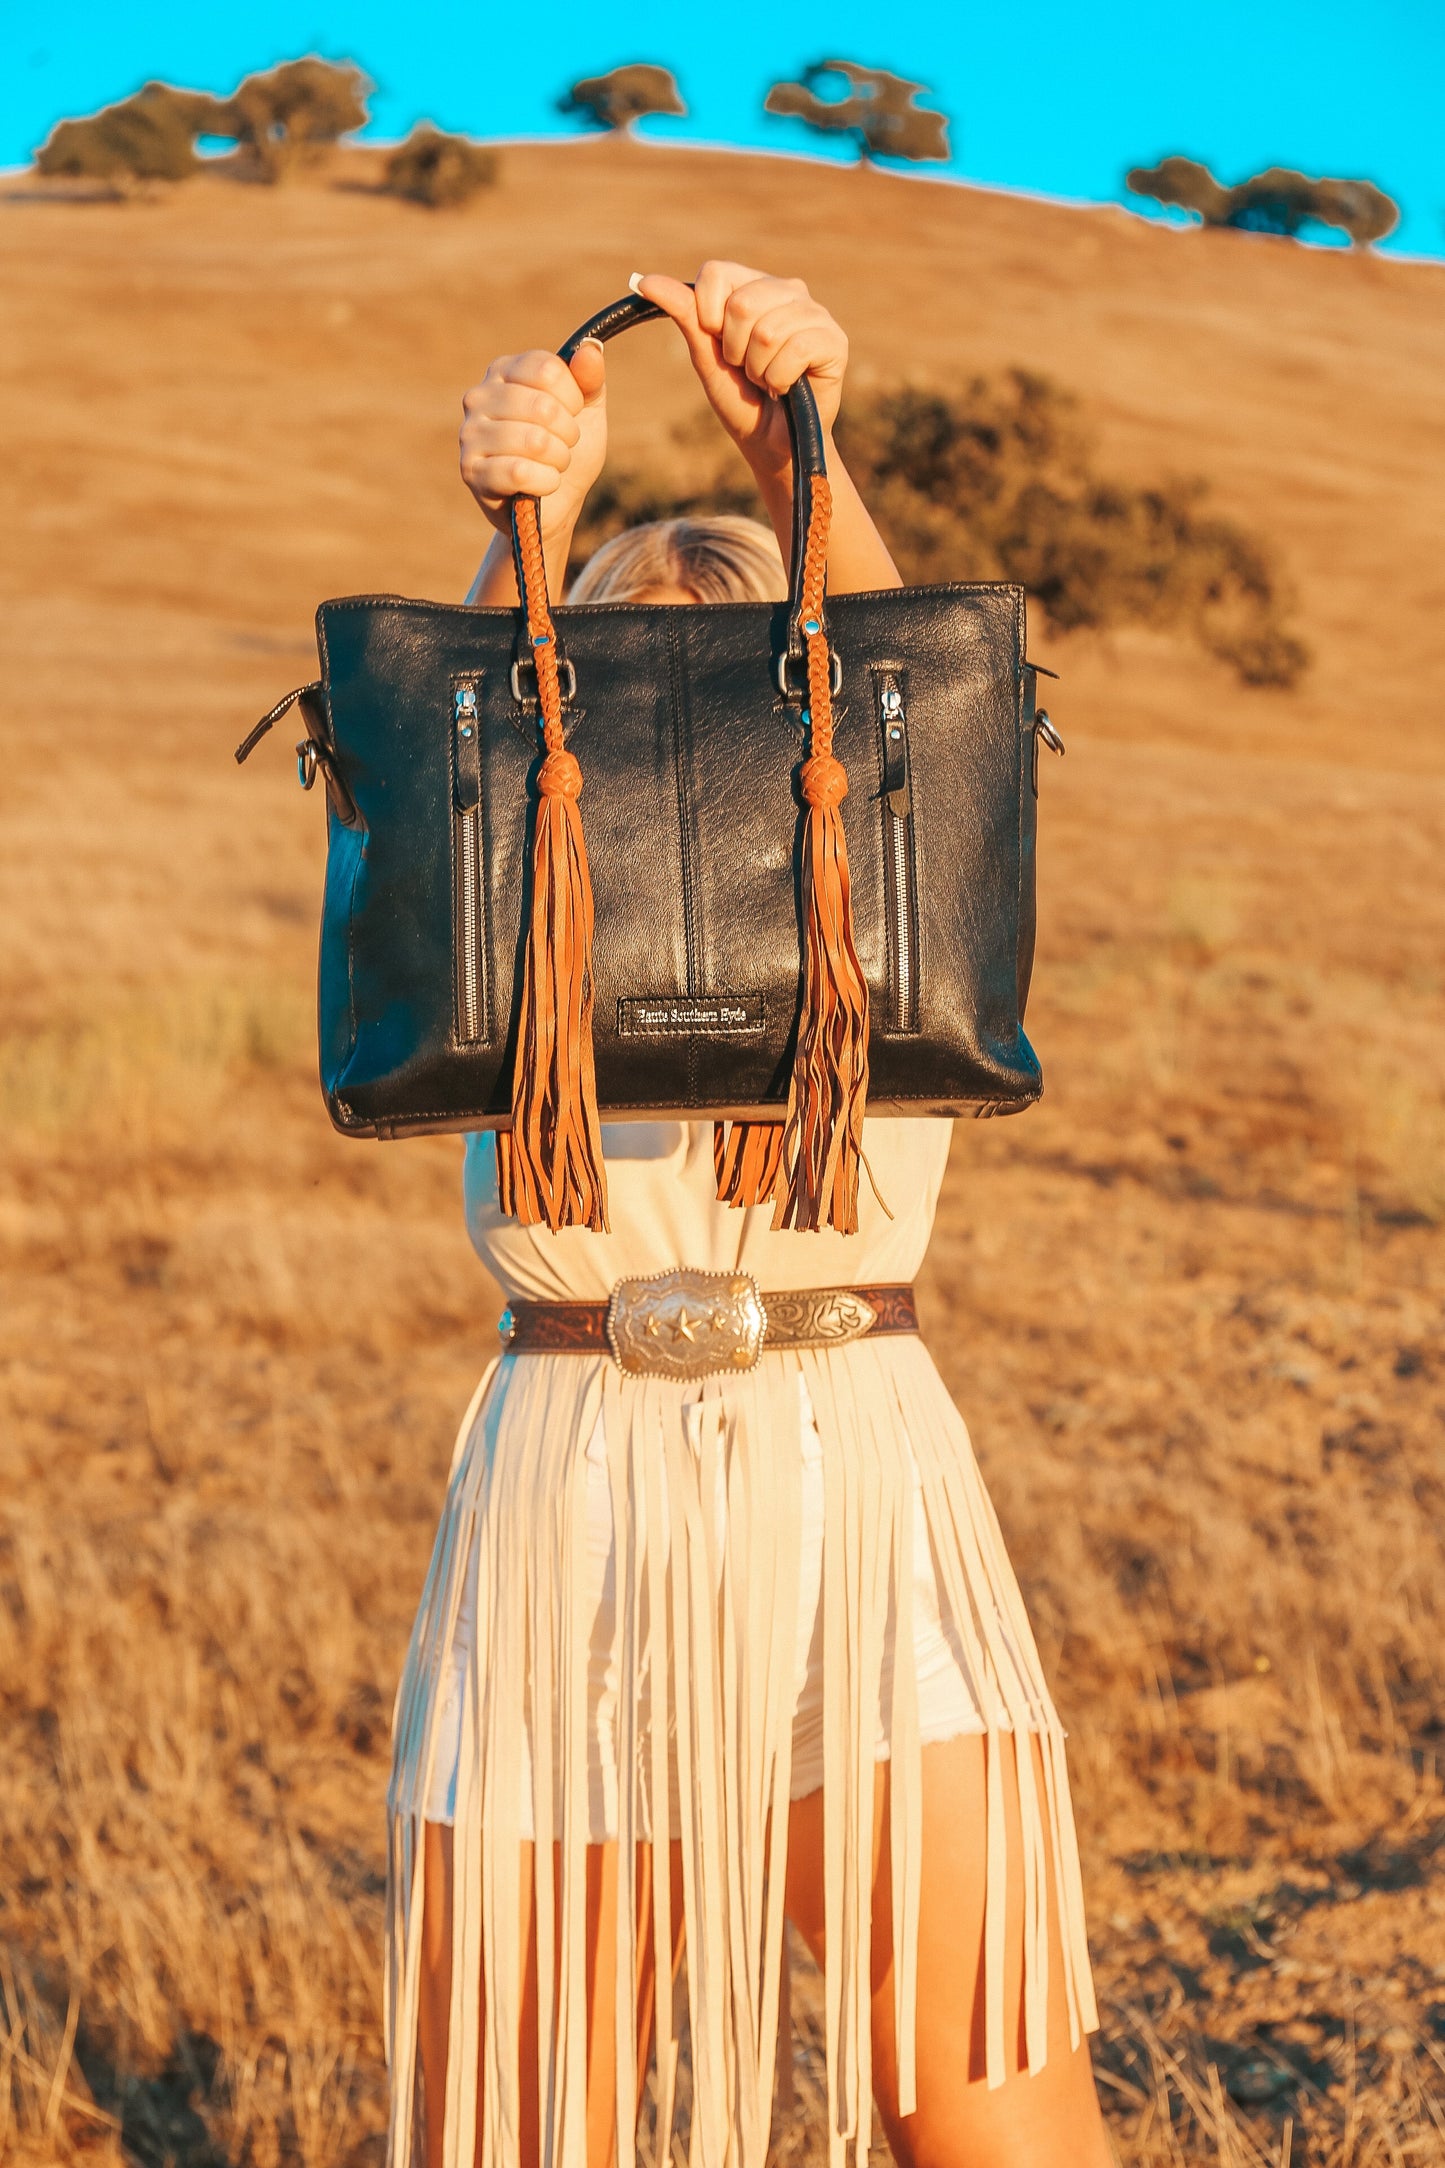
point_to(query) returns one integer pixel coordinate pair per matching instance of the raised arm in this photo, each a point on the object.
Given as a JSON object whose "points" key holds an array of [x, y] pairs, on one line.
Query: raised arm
{"points": [[750, 337], [534, 425]]}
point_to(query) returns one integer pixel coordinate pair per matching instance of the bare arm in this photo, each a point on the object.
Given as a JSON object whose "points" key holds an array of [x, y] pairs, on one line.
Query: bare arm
{"points": [[536, 427], [750, 337], [532, 424]]}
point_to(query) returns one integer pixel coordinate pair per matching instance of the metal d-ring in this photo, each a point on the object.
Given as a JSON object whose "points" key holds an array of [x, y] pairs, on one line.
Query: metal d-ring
{"points": [[566, 678], [780, 673], [307, 759]]}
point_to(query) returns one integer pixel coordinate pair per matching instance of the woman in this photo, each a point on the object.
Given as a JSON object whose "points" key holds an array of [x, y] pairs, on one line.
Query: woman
{"points": [[697, 1653]]}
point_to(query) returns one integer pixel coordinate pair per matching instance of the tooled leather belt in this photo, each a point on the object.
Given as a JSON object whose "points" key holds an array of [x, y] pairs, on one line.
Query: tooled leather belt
{"points": [[688, 1324]]}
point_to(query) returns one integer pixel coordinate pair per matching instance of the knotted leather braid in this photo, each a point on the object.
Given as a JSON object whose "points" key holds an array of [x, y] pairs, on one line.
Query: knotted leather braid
{"points": [[549, 1166], [824, 779], [811, 1170]]}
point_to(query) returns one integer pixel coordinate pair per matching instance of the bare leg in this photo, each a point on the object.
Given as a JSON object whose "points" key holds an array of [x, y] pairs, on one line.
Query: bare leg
{"points": [[436, 1981], [1044, 2119], [435, 2001]]}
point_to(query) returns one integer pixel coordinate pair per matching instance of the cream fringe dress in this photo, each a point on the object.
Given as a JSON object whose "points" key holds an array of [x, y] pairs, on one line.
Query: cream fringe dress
{"points": [[705, 1487]]}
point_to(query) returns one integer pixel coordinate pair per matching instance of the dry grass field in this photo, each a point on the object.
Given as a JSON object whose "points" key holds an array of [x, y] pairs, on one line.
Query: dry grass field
{"points": [[1192, 1307]]}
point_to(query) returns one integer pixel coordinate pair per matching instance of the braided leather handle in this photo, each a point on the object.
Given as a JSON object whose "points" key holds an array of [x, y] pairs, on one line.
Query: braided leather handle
{"points": [[550, 1166], [804, 428]]}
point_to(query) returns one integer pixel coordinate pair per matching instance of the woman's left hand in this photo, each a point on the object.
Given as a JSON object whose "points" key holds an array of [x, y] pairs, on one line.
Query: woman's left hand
{"points": [[751, 337]]}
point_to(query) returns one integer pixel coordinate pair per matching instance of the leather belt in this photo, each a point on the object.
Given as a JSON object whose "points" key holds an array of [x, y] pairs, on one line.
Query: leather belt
{"points": [[688, 1324]]}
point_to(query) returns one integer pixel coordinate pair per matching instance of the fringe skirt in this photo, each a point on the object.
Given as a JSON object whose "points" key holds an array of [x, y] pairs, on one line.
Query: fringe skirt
{"points": [[705, 1490]]}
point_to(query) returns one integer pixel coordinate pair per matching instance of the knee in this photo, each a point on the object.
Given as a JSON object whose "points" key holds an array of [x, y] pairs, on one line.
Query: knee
{"points": [[1048, 2120], [933, 2137]]}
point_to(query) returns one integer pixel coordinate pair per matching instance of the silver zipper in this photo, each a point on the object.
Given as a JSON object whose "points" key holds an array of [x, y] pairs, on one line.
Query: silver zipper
{"points": [[894, 719], [471, 977], [902, 919], [469, 931]]}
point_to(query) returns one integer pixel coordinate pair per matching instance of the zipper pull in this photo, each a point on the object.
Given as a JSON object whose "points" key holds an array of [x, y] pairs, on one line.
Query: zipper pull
{"points": [[895, 749], [466, 720]]}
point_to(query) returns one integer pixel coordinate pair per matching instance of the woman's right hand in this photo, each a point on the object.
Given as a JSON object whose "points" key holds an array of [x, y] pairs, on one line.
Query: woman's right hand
{"points": [[534, 427]]}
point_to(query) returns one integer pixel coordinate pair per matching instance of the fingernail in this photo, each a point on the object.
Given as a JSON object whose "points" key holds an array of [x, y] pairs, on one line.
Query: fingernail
{"points": [[634, 284], [593, 342]]}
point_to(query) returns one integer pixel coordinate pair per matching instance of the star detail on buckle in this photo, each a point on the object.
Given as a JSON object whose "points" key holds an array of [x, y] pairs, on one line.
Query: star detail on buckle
{"points": [[686, 1324]]}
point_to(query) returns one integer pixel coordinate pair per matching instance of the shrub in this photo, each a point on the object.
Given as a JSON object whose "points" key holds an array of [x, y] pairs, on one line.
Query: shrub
{"points": [[996, 482], [438, 169], [880, 110], [148, 137], [617, 100], [1277, 201], [289, 113]]}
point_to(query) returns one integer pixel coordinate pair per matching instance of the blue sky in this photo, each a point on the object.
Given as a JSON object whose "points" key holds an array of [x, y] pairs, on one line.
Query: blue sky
{"points": [[1059, 98]]}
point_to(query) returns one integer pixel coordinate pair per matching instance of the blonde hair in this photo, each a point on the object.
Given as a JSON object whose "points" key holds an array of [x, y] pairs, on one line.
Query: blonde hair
{"points": [[724, 558]]}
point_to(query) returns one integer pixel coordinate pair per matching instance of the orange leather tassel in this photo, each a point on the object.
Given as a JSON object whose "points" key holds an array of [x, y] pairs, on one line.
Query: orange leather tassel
{"points": [[823, 1134], [747, 1156], [506, 1175], [549, 1168]]}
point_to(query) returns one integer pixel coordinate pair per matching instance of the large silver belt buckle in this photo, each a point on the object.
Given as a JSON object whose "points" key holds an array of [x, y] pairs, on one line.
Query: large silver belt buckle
{"points": [[686, 1324]]}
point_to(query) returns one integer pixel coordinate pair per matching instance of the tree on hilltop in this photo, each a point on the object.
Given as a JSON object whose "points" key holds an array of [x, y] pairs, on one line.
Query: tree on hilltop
{"points": [[286, 114], [1276, 201], [150, 136], [880, 109], [616, 100], [278, 116], [437, 169]]}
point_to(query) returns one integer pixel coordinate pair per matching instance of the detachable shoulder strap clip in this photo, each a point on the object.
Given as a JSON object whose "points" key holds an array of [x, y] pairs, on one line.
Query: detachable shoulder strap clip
{"points": [[298, 693], [313, 752]]}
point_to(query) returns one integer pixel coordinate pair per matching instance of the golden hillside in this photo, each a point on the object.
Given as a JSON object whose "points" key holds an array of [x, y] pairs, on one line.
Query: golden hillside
{"points": [[1191, 1307]]}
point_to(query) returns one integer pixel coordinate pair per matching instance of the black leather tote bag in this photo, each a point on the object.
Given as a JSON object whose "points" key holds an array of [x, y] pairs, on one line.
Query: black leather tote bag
{"points": [[806, 879]]}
